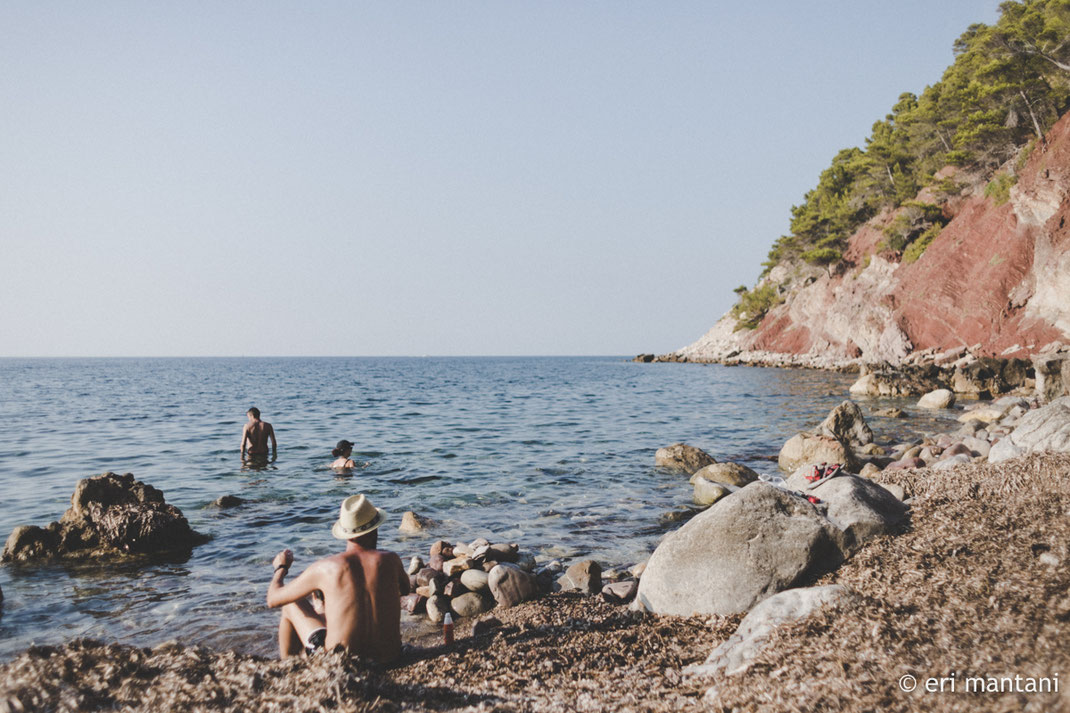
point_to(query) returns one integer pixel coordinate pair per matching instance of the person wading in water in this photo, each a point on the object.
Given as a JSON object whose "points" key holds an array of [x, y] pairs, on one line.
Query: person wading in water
{"points": [[255, 435]]}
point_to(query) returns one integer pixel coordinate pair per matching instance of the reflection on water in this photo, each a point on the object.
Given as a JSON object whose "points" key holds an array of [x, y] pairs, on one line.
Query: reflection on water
{"points": [[556, 454]]}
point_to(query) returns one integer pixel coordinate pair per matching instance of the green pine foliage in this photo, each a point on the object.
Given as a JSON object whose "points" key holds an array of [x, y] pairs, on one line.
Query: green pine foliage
{"points": [[999, 188], [1008, 84], [917, 247], [754, 304]]}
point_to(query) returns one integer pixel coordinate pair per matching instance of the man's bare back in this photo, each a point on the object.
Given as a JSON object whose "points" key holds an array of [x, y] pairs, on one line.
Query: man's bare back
{"points": [[256, 435], [362, 589]]}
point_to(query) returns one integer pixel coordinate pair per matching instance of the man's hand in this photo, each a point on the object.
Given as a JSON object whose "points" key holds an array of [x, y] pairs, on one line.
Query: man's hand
{"points": [[283, 559]]}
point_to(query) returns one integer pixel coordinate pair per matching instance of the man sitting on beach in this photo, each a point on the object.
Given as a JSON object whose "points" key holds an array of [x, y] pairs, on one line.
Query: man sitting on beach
{"points": [[256, 434], [362, 589]]}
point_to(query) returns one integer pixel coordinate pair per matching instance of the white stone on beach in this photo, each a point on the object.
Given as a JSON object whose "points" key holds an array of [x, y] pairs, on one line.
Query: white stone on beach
{"points": [[940, 398], [735, 654]]}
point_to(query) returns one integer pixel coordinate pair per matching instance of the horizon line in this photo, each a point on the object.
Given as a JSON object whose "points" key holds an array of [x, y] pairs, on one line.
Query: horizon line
{"points": [[321, 356]]}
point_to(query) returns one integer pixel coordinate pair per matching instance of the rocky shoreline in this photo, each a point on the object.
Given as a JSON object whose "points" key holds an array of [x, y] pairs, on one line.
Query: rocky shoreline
{"points": [[1047, 370], [978, 584], [929, 557]]}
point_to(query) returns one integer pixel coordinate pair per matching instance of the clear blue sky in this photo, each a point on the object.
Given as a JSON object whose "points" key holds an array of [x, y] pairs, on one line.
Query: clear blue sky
{"points": [[402, 178]]}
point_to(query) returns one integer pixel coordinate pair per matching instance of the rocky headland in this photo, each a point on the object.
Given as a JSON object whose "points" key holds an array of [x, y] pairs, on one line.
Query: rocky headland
{"points": [[995, 280]]}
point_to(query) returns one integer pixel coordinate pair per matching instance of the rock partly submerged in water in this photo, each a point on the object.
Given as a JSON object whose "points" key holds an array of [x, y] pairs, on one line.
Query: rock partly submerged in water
{"points": [[226, 502], [726, 473], [680, 456], [808, 448], [109, 515], [847, 424], [412, 522]]}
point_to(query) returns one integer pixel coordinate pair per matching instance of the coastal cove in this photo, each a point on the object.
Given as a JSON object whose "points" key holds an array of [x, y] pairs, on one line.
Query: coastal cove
{"points": [[553, 453]]}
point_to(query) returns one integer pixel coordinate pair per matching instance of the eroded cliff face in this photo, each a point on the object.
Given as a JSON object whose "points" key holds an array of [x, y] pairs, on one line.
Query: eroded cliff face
{"points": [[997, 276]]}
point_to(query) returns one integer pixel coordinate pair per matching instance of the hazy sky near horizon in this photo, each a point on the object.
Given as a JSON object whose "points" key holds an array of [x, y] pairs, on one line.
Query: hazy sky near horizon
{"points": [[411, 178]]}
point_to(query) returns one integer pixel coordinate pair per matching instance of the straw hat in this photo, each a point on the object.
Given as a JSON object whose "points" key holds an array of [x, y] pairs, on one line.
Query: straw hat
{"points": [[357, 517]]}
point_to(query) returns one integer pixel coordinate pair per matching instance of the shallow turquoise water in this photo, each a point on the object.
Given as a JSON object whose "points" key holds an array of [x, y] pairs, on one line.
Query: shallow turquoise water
{"points": [[554, 453]]}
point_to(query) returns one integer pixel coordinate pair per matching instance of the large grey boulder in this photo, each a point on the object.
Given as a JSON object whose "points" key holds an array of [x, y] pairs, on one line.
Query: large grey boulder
{"points": [[847, 424], [861, 508], [1044, 429], [680, 456], [809, 448], [736, 653], [752, 544]]}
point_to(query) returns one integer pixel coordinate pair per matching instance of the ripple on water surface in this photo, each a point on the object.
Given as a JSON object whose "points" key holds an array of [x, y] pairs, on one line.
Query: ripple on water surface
{"points": [[556, 454]]}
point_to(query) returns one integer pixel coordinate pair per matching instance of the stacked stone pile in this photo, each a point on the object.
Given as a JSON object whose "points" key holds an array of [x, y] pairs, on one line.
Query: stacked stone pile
{"points": [[468, 579]]}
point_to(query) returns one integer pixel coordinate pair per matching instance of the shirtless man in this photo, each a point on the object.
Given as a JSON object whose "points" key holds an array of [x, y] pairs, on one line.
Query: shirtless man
{"points": [[362, 589], [256, 434]]}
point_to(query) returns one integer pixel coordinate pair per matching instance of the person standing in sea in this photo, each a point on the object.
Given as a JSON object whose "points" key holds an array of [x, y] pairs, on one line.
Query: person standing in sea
{"points": [[256, 434], [361, 586]]}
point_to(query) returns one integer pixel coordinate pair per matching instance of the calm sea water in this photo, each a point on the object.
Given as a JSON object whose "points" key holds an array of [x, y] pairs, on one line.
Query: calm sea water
{"points": [[554, 453]]}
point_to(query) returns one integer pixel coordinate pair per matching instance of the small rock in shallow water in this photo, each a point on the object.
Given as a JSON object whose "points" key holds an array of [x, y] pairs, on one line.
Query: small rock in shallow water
{"points": [[889, 413], [940, 398], [412, 523], [680, 456], [227, 501], [728, 473]]}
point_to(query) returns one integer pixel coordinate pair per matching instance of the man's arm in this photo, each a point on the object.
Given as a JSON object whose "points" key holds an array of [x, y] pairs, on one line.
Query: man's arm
{"points": [[271, 435], [244, 438], [303, 585]]}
